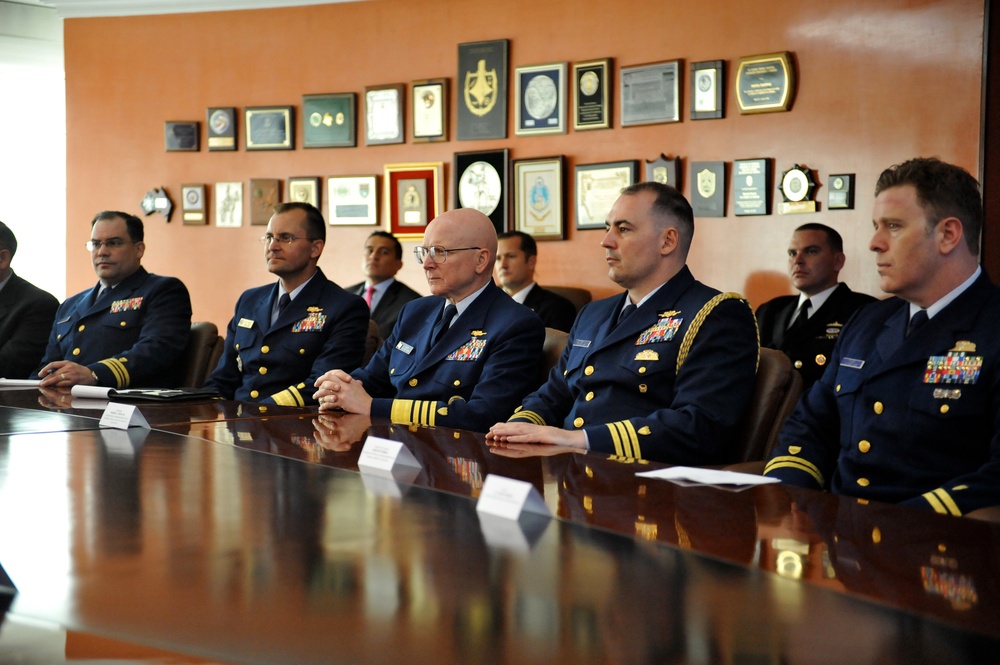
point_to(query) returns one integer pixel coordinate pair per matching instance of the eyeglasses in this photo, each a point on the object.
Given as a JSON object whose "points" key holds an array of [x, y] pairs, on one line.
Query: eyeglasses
{"points": [[437, 254], [284, 238], [111, 243]]}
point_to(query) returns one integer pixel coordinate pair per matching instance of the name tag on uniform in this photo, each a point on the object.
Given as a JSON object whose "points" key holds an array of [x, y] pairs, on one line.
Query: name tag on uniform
{"points": [[852, 363], [245, 323], [404, 347], [582, 343]]}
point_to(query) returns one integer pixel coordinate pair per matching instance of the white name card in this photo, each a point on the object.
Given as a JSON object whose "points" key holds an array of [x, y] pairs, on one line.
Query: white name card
{"points": [[508, 498], [382, 456], [123, 416]]}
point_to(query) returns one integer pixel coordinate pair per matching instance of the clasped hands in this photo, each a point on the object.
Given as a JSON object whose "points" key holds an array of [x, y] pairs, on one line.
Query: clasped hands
{"points": [[339, 390]]}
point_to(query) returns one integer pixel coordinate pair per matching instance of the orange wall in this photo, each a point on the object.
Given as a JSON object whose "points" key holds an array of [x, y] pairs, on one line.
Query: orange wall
{"points": [[878, 83]]}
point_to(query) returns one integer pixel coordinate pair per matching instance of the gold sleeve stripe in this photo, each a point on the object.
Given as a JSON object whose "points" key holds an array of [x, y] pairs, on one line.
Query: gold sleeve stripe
{"points": [[117, 368], [413, 412], [699, 319], [530, 416], [626, 441], [289, 397], [789, 462], [942, 502]]}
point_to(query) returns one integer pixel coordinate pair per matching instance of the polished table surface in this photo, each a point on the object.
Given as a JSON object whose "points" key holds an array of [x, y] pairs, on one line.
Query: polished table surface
{"points": [[257, 540]]}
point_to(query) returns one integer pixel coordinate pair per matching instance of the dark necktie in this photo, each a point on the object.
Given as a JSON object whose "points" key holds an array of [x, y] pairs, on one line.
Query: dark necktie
{"points": [[625, 313], [283, 302], [441, 327], [801, 318], [917, 320], [100, 294]]}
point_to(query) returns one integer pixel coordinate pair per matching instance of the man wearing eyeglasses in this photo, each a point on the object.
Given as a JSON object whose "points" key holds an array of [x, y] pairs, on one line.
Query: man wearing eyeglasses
{"points": [[460, 358], [282, 336], [130, 329]]}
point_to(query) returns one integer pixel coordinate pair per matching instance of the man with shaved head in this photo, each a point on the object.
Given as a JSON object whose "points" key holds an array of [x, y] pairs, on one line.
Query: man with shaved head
{"points": [[462, 357]]}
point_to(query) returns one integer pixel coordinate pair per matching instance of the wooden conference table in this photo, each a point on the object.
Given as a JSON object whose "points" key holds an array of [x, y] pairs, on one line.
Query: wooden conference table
{"points": [[229, 535]]}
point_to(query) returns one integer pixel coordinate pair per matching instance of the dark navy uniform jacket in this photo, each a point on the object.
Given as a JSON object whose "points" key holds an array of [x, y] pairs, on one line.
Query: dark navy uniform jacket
{"points": [[135, 335], [475, 375], [26, 316], [671, 383], [914, 420], [323, 328]]}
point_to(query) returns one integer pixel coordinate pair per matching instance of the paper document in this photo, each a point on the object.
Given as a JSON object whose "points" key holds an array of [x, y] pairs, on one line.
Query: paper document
{"points": [[689, 475]]}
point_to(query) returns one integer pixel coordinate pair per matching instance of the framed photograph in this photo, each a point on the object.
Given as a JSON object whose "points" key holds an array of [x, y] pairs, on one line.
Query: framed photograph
{"points": [[353, 200], [384, 114], [304, 190], [592, 94], [540, 99], [651, 93], [597, 188], [229, 204], [429, 110], [412, 197], [482, 90], [265, 195], [538, 197], [221, 122], [193, 208], [270, 127], [181, 136], [481, 183], [330, 120], [707, 85]]}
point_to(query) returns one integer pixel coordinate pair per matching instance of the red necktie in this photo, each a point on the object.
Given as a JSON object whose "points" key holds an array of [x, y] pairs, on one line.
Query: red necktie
{"points": [[368, 295]]}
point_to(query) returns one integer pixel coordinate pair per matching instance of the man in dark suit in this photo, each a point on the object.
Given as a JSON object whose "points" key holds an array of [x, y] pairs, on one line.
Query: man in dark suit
{"points": [[282, 336], [462, 357], [664, 371], [131, 329], [26, 315], [383, 293], [517, 255], [806, 326], [909, 411]]}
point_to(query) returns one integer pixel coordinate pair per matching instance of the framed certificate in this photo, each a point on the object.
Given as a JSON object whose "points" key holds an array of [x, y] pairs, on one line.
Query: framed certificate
{"points": [[765, 83], [429, 110], [481, 183], [651, 93], [353, 200], [265, 195], [270, 127], [540, 99], [592, 94], [412, 197], [538, 197], [707, 85], [329, 120], [221, 123], [304, 190], [193, 208], [384, 114], [229, 204], [181, 136], [598, 186], [482, 90]]}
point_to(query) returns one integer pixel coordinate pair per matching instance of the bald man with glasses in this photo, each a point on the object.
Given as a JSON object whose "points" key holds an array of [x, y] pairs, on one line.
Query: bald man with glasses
{"points": [[460, 358], [283, 336]]}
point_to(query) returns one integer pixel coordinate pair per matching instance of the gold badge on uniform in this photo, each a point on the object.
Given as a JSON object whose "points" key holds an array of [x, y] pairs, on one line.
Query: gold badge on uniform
{"points": [[833, 330], [820, 359], [647, 354], [314, 309], [964, 347], [478, 333]]}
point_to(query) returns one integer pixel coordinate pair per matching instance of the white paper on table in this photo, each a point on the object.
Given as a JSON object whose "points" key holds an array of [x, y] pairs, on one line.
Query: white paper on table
{"points": [[727, 480], [16, 384]]}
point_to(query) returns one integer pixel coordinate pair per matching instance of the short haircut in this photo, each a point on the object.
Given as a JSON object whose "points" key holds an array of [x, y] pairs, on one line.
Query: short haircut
{"points": [[833, 238], [396, 245], [669, 205], [528, 244], [943, 190], [132, 223], [7, 240], [315, 224]]}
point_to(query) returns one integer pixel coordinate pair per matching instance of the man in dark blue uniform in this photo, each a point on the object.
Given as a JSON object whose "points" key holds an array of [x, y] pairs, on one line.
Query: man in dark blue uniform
{"points": [[384, 294], [283, 335], [909, 412], [805, 327], [517, 256], [664, 371], [131, 329], [459, 358], [26, 315]]}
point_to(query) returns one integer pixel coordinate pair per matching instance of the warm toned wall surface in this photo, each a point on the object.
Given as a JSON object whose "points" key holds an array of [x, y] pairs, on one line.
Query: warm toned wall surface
{"points": [[878, 83]]}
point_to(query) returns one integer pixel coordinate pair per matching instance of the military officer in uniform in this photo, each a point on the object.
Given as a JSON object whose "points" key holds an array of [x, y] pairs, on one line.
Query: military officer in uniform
{"points": [[805, 327], [459, 358], [282, 335], [908, 412], [517, 256], [384, 294], [131, 329], [664, 371]]}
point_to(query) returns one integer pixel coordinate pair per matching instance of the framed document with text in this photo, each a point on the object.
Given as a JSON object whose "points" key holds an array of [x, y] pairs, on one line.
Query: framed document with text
{"points": [[429, 110], [384, 114], [598, 187], [592, 94], [270, 128], [353, 200], [651, 93]]}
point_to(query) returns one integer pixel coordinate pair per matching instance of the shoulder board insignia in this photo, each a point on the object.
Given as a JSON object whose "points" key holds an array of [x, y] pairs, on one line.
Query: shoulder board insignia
{"points": [[968, 347], [478, 333], [667, 314], [314, 309], [245, 323], [647, 354]]}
